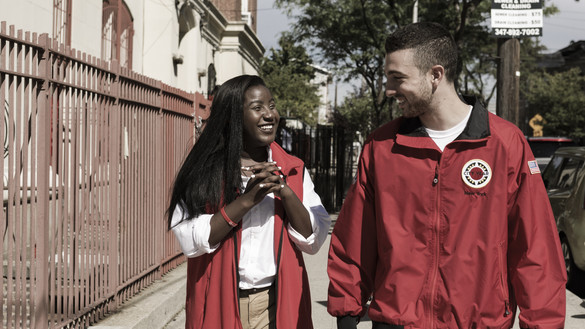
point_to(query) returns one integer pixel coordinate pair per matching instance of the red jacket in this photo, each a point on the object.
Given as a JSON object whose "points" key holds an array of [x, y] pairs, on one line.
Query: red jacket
{"points": [[212, 301], [448, 240]]}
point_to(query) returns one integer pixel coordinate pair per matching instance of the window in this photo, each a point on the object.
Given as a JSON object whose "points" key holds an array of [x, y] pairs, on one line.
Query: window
{"points": [[117, 32], [568, 173], [211, 81], [550, 174], [187, 20], [62, 21], [562, 173]]}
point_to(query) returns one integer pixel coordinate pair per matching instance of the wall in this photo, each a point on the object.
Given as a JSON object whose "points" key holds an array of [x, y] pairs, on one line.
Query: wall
{"points": [[86, 30], [219, 37], [28, 15]]}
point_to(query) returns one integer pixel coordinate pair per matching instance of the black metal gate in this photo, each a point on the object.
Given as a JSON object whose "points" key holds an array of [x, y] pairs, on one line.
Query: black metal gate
{"points": [[330, 154]]}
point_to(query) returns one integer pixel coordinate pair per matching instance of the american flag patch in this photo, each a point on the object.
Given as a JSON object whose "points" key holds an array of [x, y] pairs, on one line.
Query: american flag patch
{"points": [[533, 166]]}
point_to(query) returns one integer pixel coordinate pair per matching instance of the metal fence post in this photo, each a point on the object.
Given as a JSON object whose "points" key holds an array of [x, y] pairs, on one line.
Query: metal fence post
{"points": [[41, 309], [158, 178], [340, 166], [66, 263], [114, 174]]}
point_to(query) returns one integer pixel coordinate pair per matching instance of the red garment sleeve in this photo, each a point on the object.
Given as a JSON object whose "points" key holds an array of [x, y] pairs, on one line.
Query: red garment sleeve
{"points": [[353, 252], [535, 263]]}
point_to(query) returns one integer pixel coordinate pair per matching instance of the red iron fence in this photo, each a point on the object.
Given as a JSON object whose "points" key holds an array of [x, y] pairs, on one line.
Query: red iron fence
{"points": [[90, 152]]}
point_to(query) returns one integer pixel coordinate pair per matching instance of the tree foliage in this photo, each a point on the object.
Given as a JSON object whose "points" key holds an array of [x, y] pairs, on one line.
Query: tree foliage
{"points": [[560, 99], [354, 114], [348, 38], [288, 72]]}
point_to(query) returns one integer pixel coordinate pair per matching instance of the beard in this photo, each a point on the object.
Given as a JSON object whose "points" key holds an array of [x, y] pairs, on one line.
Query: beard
{"points": [[419, 105]]}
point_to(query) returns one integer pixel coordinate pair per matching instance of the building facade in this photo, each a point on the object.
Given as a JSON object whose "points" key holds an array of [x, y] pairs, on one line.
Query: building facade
{"points": [[322, 80], [189, 44], [567, 58]]}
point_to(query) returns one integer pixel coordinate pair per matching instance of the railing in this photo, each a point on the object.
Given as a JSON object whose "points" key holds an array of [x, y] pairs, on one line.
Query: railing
{"points": [[330, 154], [90, 153]]}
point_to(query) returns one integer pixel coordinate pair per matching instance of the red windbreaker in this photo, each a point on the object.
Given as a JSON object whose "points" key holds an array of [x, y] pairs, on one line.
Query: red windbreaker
{"points": [[448, 240], [212, 284]]}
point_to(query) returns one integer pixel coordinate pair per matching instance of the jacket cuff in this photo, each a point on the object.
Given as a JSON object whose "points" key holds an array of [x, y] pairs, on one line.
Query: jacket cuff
{"points": [[347, 322]]}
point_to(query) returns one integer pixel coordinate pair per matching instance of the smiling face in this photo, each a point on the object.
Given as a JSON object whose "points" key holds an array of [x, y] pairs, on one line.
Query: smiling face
{"points": [[411, 88], [260, 118]]}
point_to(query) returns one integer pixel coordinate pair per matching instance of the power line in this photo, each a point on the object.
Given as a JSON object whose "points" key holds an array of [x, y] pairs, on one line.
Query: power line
{"points": [[563, 19], [564, 12], [566, 27]]}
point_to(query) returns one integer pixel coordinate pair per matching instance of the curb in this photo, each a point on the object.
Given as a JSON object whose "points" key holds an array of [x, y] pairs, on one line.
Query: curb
{"points": [[153, 307]]}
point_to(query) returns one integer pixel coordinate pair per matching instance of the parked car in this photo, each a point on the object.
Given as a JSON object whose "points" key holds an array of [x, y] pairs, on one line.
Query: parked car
{"points": [[564, 178], [544, 147]]}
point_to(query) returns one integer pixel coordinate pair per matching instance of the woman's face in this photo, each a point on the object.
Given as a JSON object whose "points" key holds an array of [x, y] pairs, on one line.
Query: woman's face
{"points": [[260, 117]]}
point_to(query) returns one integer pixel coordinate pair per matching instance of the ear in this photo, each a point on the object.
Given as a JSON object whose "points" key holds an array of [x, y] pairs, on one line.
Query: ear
{"points": [[437, 74]]}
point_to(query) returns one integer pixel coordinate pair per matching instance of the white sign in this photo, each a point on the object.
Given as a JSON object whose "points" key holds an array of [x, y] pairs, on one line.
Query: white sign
{"points": [[530, 18], [516, 18]]}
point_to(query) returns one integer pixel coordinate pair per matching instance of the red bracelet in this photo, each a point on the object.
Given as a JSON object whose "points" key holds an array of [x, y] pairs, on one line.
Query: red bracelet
{"points": [[227, 219]]}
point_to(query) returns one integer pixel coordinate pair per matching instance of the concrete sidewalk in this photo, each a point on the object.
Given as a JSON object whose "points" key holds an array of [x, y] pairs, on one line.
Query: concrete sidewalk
{"points": [[161, 305], [152, 308]]}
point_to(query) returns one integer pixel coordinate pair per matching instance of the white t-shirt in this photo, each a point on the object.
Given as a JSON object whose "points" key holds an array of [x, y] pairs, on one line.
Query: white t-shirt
{"points": [[444, 137]]}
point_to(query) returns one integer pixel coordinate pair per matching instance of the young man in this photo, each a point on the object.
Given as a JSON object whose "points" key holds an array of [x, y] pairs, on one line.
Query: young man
{"points": [[448, 224]]}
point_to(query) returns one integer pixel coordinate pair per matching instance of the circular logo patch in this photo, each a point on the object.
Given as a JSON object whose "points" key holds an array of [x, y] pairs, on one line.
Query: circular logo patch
{"points": [[476, 173]]}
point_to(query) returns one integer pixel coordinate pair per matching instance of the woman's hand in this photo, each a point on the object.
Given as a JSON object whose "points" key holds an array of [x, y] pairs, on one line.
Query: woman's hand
{"points": [[268, 178], [265, 178]]}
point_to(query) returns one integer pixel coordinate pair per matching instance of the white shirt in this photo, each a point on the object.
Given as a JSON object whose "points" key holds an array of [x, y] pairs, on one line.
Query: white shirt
{"points": [[257, 265], [444, 137]]}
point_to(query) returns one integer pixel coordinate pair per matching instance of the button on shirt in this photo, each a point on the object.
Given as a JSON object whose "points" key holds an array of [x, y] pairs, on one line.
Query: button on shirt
{"points": [[257, 265]]}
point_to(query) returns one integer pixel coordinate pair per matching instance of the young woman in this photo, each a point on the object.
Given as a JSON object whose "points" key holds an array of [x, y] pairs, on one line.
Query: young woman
{"points": [[243, 210]]}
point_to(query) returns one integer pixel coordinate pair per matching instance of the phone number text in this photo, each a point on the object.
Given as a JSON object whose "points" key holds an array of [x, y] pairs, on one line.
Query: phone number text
{"points": [[517, 32]]}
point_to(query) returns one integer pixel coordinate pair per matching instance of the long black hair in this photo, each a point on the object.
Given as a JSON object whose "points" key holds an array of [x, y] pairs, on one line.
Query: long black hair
{"points": [[210, 175]]}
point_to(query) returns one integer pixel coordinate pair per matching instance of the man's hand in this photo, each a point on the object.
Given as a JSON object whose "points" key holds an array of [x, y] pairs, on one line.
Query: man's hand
{"points": [[347, 322]]}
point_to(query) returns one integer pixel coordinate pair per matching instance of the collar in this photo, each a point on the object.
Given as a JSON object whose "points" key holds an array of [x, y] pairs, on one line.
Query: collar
{"points": [[477, 128]]}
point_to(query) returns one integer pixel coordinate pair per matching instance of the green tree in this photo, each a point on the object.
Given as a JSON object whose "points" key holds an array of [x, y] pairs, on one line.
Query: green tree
{"points": [[288, 72], [354, 115], [348, 38], [560, 99]]}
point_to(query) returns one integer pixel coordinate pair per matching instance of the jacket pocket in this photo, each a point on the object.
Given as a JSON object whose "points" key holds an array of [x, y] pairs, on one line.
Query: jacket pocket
{"points": [[503, 279]]}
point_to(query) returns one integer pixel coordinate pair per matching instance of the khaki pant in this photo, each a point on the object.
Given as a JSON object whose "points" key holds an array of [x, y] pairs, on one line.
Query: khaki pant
{"points": [[258, 309]]}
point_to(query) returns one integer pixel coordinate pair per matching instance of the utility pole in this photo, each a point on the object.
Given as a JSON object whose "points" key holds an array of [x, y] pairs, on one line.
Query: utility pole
{"points": [[415, 12], [508, 85], [510, 22]]}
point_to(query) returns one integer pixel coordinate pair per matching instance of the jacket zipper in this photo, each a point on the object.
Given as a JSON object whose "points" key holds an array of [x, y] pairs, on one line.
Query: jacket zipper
{"points": [[502, 287], [436, 231]]}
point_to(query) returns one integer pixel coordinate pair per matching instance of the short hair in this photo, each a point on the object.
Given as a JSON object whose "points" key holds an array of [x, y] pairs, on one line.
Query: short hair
{"points": [[432, 45]]}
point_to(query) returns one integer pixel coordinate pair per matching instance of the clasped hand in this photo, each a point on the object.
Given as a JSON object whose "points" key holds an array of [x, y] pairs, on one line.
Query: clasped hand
{"points": [[265, 178]]}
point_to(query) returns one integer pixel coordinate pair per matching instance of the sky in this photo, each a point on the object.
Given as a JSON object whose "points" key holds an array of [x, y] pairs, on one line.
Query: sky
{"points": [[558, 31]]}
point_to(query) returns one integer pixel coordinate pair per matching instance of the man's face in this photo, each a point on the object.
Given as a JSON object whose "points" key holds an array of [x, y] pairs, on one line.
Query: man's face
{"points": [[411, 88]]}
